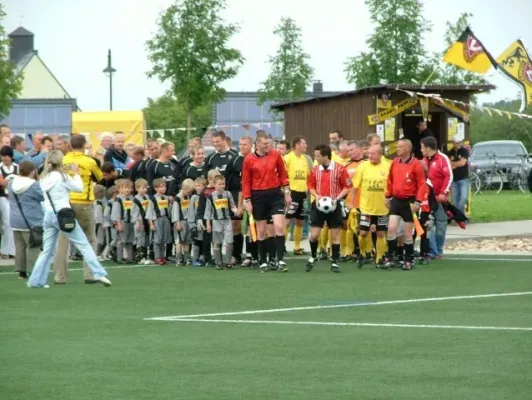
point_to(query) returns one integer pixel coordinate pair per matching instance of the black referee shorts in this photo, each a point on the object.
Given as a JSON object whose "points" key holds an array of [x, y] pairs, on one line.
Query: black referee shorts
{"points": [[296, 209], [267, 203], [401, 207], [318, 219]]}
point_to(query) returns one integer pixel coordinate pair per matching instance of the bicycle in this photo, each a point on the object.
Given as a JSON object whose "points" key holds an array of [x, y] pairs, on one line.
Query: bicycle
{"points": [[475, 181], [518, 177], [493, 178]]}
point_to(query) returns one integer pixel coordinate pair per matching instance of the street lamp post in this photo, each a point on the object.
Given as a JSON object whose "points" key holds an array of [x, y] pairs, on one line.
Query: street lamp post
{"points": [[109, 71]]}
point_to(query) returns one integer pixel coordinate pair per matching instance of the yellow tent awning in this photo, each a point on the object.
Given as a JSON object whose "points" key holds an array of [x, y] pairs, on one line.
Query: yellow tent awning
{"points": [[93, 124]]}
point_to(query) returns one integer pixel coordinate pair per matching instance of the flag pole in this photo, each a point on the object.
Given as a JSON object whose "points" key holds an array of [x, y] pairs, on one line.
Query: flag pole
{"points": [[437, 67]]}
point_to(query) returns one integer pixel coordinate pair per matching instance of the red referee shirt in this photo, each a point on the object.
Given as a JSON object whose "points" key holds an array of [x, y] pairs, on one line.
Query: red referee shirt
{"points": [[329, 181], [263, 172]]}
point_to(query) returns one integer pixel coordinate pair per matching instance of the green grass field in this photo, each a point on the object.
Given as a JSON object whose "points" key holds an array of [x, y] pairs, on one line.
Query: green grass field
{"points": [[80, 341], [505, 206]]}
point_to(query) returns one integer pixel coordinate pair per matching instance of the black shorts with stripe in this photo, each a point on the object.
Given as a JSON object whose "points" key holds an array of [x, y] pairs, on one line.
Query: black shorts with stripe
{"points": [[297, 208]]}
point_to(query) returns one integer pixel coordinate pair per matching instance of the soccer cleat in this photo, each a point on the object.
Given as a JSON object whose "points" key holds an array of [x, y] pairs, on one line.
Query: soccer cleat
{"points": [[407, 265], [363, 261], [310, 264], [389, 263], [22, 275], [381, 264], [334, 267], [219, 266], [179, 264], [342, 259], [160, 261], [281, 266], [263, 268], [254, 264], [299, 252], [198, 263], [423, 260], [229, 265], [247, 263], [323, 255], [272, 266]]}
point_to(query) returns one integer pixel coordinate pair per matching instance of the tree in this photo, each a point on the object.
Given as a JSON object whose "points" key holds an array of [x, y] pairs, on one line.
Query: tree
{"points": [[290, 72], [451, 74], [191, 51], [166, 112], [10, 82], [395, 49]]}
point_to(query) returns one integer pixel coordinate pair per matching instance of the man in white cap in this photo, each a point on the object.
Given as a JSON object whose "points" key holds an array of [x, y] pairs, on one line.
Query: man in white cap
{"points": [[459, 157]]}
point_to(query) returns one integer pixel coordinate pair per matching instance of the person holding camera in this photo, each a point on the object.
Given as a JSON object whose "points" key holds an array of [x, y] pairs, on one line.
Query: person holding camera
{"points": [[56, 185]]}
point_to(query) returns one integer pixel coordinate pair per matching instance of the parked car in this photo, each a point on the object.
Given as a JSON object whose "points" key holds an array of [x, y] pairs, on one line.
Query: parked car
{"points": [[510, 155]]}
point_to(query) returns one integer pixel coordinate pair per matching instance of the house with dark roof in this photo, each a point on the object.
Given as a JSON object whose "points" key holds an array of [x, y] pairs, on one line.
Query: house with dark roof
{"points": [[392, 111], [43, 104], [239, 114]]}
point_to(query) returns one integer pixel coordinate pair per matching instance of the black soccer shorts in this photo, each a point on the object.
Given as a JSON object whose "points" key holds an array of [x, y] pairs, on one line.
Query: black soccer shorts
{"points": [[401, 207], [334, 220], [297, 209], [267, 203], [380, 222]]}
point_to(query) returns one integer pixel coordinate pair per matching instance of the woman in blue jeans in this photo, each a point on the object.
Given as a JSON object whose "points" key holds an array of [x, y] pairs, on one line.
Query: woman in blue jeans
{"points": [[56, 186]]}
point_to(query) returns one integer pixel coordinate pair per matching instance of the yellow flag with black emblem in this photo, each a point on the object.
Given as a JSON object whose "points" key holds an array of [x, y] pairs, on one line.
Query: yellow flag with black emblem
{"points": [[515, 63], [469, 53]]}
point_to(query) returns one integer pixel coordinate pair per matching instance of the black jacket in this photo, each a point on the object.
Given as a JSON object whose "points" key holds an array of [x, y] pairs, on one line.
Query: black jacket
{"points": [[117, 157]]}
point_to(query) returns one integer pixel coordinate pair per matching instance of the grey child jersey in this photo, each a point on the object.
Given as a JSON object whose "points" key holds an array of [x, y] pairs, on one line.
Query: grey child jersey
{"points": [[158, 207], [140, 207], [180, 208], [107, 214], [122, 208], [218, 208], [99, 208], [192, 207]]}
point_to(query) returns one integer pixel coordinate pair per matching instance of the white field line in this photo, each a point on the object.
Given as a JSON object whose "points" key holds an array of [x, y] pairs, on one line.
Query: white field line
{"points": [[323, 307], [81, 269], [358, 324], [291, 258]]}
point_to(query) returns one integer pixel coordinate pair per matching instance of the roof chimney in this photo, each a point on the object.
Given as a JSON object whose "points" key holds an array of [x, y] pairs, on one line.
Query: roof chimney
{"points": [[317, 88], [21, 44]]}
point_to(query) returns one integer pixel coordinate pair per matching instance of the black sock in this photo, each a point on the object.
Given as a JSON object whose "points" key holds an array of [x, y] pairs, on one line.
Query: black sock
{"points": [[314, 249], [409, 251], [263, 250], [399, 252], [392, 245], [280, 246], [169, 249], [335, 252], [238, 245], [272, 250], [357, 244], [207, 242], [424, 245], [253, 250], [374, 238]]}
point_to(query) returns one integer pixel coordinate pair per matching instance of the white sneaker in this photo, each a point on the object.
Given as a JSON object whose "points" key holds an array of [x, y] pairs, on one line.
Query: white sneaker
{"points": [[106, 282], [263, 268], [147, 262], [101, 258], [281, 266]]}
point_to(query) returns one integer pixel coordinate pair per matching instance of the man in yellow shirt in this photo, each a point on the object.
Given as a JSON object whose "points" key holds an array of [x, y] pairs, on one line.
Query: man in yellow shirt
{"points": [[82, 204], [372, 180], [298, 168], [356, 158]]}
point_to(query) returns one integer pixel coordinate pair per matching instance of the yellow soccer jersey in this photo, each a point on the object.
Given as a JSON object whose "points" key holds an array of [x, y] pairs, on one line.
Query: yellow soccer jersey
{"points": [[298, 171], [371, 180]]}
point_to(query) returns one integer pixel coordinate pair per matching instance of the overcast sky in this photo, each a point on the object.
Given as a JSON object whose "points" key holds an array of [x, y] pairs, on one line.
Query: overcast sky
{"points": [[73, 37]]}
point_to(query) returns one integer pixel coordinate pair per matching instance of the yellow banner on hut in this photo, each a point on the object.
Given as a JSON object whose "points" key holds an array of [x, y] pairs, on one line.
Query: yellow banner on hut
{"points": [[392, 112], [93, 124]]}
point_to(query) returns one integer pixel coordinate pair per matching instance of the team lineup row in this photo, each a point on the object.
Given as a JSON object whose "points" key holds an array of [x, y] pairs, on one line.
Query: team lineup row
{"points": [[274, 189]]}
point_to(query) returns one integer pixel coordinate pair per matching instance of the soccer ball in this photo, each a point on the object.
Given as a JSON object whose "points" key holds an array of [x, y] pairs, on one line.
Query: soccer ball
{"points": [[326, 205]]}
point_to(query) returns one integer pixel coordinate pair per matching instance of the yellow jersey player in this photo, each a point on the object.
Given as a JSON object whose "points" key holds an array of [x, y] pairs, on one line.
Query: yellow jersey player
{"points": [[372, 180], [298, 168]]}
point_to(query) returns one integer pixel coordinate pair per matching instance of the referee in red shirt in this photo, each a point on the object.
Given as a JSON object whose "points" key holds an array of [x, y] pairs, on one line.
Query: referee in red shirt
{"points": [[266, 193], [327, 179], [406, 191]]}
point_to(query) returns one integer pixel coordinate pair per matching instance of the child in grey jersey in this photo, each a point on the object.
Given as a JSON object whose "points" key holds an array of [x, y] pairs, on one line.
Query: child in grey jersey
{"points": [[180, 218], [158, 216], [99, 230], [218, 216], [110, 251], [142, 228], [123, 221]]}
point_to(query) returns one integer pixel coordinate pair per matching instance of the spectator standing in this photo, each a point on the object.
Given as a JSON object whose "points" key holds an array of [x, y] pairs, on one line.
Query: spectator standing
{"points": [[25, 192], [105, 142], [441, 177], [82, 203], [56, 185], [116, 153], [62, 143], [459, 157], [8, 170]]}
